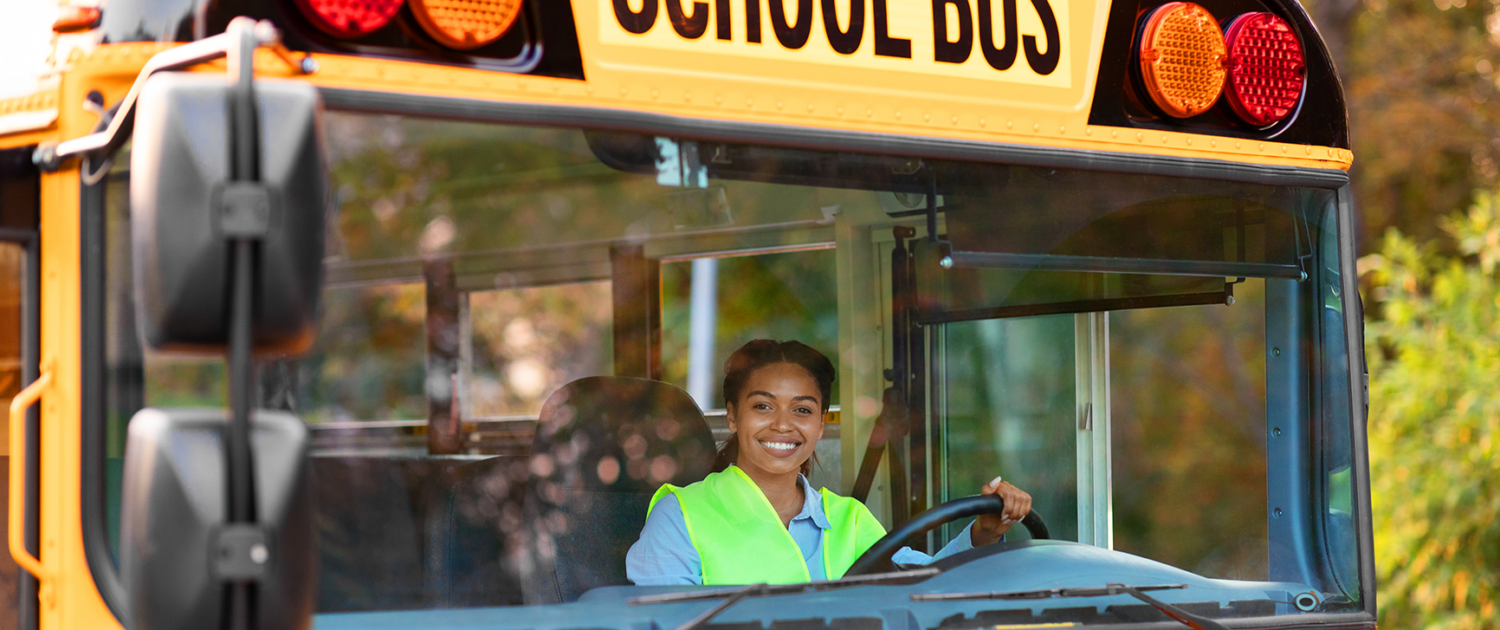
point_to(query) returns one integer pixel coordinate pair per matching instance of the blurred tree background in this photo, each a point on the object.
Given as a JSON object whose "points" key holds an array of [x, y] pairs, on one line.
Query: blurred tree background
{"points": [[1434, 419], [1422, 79]]}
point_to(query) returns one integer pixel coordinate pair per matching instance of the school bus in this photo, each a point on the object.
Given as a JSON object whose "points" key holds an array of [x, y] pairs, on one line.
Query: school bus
{"points": [[496, 252]]}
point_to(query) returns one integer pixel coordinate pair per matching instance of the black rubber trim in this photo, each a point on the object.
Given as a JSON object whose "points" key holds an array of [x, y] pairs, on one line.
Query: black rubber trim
{"points": [[91, 299], [31, 343], [824, 139]]}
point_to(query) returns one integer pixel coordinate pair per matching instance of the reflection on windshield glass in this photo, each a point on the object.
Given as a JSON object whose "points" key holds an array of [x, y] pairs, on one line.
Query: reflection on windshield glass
{"points": [[524, 336]]}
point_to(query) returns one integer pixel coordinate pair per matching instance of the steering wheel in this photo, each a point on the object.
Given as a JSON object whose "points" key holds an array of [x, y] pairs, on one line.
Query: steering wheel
{"points": [[877, 559]]}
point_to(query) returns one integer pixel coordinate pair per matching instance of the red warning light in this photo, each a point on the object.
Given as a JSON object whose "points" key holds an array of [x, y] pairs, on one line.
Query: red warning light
{"points": [[1267, 68], [349, 18]]}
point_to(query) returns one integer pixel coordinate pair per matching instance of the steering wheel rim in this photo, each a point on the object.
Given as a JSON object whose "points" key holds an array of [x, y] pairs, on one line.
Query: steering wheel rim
{"points": [[877, 559]]}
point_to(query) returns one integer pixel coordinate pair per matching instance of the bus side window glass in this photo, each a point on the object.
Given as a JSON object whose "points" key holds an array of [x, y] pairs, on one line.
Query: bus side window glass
{"points": [[12, 304], [1336, 422]]}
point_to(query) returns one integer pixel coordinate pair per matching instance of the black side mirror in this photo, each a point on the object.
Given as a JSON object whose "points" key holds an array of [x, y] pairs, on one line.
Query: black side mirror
{"points": [[228, 203], [181, 191], [177, 546]]}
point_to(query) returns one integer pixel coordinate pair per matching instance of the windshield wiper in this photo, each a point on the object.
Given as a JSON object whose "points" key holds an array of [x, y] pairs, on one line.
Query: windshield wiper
{"points": [[731, 596], [1186, 618]]}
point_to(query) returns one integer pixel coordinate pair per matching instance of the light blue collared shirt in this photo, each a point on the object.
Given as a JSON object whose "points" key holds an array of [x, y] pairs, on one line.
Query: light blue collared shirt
{"points": [[666, 555]]}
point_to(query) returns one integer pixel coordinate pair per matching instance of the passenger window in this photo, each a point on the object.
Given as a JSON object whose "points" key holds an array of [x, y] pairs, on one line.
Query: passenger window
{"points": [[13, 271]]}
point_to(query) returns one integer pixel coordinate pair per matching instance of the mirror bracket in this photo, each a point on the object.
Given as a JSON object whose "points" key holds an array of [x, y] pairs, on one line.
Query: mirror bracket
{"points": [[244, 210], [241, 552], [50, 156]]}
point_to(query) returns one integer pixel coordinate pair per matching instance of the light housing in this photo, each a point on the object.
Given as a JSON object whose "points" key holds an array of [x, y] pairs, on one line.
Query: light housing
{"points": [[1267, 68], [349, 18], [466, 24], [1182, 56]]}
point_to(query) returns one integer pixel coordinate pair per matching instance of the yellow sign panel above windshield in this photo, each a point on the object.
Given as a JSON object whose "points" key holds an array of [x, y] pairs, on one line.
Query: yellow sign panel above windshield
{"points": [[1026, 42]]}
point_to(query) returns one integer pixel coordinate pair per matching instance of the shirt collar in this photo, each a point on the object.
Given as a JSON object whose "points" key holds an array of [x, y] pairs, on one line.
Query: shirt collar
{"points": [[812, 504]]}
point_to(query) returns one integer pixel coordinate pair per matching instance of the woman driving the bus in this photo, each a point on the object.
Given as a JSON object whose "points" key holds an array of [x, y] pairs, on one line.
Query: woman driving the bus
{"points": [[756, 519]]}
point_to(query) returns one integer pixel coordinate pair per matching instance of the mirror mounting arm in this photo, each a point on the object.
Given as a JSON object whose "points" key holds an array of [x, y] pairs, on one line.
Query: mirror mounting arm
{"points": [[244, 201], [49, 156]]}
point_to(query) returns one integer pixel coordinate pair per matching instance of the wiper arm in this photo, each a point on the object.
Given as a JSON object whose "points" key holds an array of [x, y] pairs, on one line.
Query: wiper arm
{"points": [[731, 596], [1186, 618]]}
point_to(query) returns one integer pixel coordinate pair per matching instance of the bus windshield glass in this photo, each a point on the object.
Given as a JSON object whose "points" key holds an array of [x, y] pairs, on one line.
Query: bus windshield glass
{"points": [[1160, 362]]}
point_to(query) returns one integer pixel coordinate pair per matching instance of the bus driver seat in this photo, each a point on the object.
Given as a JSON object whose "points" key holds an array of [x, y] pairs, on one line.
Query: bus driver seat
{"points": [[603, 446]]}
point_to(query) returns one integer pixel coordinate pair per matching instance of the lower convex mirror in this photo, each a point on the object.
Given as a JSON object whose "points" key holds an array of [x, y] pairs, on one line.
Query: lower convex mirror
{"points": [[177, 550]]}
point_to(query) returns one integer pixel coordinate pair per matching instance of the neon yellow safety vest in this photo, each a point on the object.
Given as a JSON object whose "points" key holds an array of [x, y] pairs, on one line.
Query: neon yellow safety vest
{"points": [[740, 538]]}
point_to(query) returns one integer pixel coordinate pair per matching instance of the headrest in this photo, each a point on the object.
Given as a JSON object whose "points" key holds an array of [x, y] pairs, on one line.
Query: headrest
{"points": [[620, 434]]}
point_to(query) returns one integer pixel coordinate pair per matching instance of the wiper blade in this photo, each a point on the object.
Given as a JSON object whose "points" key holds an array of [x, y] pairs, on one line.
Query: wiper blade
{"points": [[760, 590], [731, 596], [1186, 618], [1091, 591]]}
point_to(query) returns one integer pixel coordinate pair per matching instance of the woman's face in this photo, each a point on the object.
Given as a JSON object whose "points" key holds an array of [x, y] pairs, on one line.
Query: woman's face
{"points": [[778, 419]]}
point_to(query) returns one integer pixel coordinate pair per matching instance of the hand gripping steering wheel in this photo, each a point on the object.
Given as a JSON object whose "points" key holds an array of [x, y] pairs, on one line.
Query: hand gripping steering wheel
{"points": [[877, 559]]}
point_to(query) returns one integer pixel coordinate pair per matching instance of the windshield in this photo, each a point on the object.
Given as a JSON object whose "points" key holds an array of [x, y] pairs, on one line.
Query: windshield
{"points": [[1159, 362]]}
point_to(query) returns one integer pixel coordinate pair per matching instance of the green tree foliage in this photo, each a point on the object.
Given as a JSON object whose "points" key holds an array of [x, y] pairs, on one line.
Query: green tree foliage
{"points": [[1434, 421]]}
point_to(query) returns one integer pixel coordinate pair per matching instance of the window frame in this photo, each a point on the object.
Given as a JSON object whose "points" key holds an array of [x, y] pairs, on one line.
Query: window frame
{"points": [[93, 298]]}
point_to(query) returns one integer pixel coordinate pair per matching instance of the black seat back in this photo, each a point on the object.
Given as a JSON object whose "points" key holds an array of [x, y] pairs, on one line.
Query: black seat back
{"points": [[603, 446]]}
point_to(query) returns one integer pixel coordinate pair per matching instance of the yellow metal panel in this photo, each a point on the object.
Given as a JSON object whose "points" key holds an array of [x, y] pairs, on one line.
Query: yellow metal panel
{"points": [[27, 120], [70, 599]]}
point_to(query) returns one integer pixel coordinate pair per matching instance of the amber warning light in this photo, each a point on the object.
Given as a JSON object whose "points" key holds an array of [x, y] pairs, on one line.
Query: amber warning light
{"points": [[1266, 68], [1182, 59], [466, 24]]}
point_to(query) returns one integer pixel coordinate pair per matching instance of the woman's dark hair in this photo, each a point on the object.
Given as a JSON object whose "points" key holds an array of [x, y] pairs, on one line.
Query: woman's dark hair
{"points": [[761, 353]]}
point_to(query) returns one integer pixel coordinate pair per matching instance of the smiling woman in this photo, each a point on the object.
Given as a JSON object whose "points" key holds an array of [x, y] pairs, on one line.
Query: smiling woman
{"points": [[719, 530]]}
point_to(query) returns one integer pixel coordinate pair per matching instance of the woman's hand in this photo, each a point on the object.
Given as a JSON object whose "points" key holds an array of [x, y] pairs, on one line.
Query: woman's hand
{"points": [[990, 527]]}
